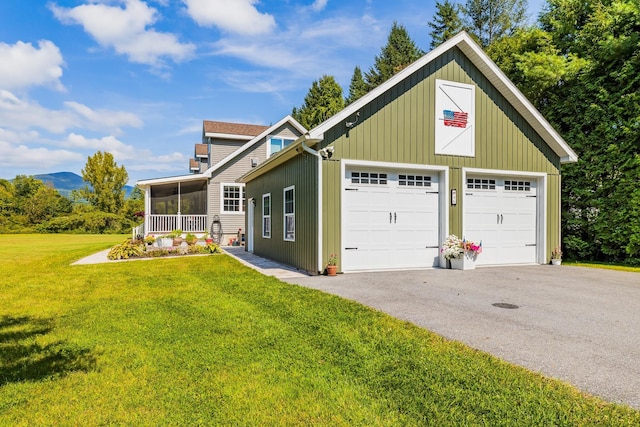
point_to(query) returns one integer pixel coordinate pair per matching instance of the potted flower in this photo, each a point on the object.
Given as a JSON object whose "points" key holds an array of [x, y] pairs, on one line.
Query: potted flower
{"points": [[150, 240], [191, 239], [462, 254], [332, 265], [556, 256], [207, 238], [176, 235]]}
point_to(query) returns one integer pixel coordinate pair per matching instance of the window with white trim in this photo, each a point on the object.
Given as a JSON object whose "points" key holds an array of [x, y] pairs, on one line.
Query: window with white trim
{"points": [[517, 185], [266, 216], [232, 198], [277, 143], [481, 184], [289, 214]]}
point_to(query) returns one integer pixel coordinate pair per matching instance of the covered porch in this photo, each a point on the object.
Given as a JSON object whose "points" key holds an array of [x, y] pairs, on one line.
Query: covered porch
{"points": [[177, 205]]}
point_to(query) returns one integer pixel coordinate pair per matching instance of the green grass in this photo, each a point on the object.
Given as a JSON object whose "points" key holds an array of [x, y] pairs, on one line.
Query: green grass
{"points": [[207, 341], [603, 265]]}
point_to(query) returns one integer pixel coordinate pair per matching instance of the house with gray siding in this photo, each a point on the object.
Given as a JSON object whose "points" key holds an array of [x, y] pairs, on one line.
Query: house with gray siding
{"points": [[446, 146], [192, 202]]}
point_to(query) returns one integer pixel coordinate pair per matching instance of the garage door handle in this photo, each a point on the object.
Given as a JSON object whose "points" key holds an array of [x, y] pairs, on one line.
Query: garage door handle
{"points": [[390, 217], [432, 247], [394, 217], [501, 219], [497, 218], [350, 249], [531, 244]]}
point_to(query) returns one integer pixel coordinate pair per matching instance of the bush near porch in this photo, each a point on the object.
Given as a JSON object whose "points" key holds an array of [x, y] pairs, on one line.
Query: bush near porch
{"points": [[207, 341]]}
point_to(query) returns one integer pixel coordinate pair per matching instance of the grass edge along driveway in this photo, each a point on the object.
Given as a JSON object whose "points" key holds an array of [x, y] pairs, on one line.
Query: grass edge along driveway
{"points": [[207, 341]]}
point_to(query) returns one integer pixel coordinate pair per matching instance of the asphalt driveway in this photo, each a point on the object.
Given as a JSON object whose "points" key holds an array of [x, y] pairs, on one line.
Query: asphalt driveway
{"points": [[576, 324]]}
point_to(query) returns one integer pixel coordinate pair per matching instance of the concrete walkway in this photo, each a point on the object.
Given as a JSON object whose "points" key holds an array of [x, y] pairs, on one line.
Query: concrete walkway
{"points": [[264, 266]]}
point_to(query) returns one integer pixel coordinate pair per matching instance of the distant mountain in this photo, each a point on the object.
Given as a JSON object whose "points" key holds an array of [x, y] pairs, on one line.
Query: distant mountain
{"points": [[65, 182]]}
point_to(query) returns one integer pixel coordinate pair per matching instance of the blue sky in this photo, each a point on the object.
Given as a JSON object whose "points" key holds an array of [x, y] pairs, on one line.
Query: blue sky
{"points": [[136, 78]]}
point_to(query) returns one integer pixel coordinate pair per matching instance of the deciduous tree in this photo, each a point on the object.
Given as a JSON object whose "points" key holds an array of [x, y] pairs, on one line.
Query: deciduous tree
{"points": [[106, 181]]}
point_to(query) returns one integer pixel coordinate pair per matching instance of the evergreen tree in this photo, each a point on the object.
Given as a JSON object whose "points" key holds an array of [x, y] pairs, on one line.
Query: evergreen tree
{"points": [[399, 52], [323, 100], [446, 23], [489, 20], [106, 183], [598, 113], [358, 86]]}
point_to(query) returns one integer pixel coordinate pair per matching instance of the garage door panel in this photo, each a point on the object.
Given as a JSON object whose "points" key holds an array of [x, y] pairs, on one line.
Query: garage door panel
{"points": [[503, 214], [391, 225]]}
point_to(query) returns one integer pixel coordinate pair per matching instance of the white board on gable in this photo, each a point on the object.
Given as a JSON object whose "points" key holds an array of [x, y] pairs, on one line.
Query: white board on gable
{"points": [[455, 119]]}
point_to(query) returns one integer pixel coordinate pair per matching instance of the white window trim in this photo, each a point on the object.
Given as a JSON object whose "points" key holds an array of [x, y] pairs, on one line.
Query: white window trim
{"points": [[265, 196], [268, 144], [242, 201], [285, 215]]}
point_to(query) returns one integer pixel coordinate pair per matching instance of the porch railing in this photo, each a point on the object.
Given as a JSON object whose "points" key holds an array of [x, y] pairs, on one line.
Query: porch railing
{"points": [[168, 223], [137, 231]]}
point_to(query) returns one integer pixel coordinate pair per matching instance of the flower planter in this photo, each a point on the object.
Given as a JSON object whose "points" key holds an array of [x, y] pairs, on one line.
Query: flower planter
{"points": [[332, 270], [164, 242], [556, 261], [466, 262]]}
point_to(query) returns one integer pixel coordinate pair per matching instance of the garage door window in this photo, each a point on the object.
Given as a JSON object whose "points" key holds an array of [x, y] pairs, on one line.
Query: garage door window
{"points": [[414, 180], [371, 178], [517, 185], [481, 184]]}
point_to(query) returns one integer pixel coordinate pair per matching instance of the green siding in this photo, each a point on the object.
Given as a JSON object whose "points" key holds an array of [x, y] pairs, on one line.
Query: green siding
{"points": [[301, 172], [398, 126]]}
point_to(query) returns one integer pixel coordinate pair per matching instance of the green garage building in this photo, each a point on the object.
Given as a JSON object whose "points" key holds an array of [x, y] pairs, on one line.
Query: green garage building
{"points": [[446, 146]]}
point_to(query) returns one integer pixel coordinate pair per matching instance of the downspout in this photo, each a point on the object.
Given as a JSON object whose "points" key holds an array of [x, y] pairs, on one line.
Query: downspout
{"points": [[319, 157]]}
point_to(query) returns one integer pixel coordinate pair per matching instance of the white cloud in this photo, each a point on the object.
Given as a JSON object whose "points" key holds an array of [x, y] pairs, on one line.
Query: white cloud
{"points": [[23, 157], [105, 119], [23, 65], [111, 144], [20, 114], [235, 16], [125, 30], [319, 5]]}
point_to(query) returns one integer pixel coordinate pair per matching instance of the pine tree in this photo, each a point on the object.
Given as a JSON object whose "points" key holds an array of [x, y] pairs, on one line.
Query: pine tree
{"points": [[399, 52], [323, 100], [488, 20], [446, 23], [358, 86]]}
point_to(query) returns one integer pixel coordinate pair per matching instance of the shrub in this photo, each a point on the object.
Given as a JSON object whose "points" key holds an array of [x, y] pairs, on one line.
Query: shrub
{"points": [[126, 250]]}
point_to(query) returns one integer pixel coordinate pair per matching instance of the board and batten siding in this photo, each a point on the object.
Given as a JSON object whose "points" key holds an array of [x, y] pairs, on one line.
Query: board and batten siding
{"points": [[229, 173], [398, 126], [300, 172]]}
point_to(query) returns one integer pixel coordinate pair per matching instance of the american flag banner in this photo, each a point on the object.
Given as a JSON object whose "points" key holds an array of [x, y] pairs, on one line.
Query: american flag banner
{"points": [[456, 119]]}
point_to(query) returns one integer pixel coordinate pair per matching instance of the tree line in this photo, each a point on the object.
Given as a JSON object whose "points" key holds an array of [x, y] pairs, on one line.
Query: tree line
{"points": [[29, 205], [579, 65]]}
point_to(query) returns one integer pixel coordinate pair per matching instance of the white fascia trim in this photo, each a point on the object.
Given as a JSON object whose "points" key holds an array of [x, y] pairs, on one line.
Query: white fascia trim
{"points": [[443, 196], [209, 172], [235, 137], [170, 179], [541, 205]]}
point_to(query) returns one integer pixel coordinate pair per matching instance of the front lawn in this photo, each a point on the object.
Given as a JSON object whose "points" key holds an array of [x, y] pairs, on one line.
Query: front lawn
{"points": [[207, 341]]}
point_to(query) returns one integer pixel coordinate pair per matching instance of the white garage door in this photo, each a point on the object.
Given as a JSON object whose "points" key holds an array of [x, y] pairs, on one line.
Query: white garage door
{"points": [[502, 213], [390, 220]]}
